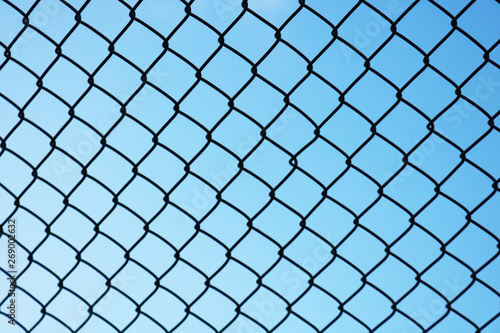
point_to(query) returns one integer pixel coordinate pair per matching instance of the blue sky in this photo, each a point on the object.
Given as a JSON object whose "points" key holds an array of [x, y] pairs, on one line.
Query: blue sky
{"points": [[339, 114]]}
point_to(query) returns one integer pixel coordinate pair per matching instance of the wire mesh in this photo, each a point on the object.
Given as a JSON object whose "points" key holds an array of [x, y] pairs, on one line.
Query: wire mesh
{"points": [[395, 210]]}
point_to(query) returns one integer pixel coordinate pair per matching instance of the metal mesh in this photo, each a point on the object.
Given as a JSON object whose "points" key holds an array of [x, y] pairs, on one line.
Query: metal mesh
{"points": [[334, 182]]}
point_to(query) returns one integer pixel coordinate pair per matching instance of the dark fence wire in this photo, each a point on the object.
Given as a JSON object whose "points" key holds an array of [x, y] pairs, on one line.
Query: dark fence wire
{"points": [[265, 128]]}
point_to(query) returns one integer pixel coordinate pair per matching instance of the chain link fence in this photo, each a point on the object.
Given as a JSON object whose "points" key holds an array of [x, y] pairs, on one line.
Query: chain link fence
{"points": [[249, 166]]}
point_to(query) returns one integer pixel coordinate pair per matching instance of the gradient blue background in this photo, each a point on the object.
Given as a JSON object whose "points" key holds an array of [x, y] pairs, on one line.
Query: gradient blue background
{"points": [[287, 127]]}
